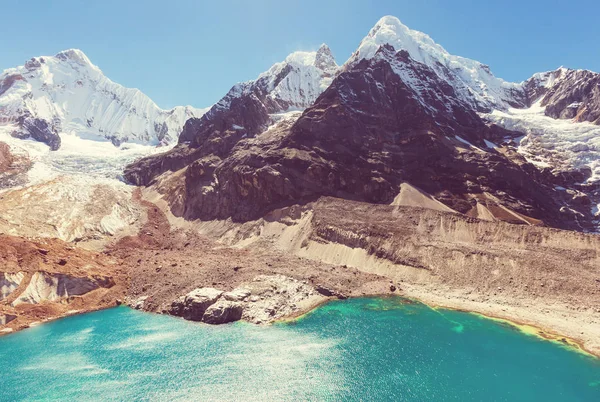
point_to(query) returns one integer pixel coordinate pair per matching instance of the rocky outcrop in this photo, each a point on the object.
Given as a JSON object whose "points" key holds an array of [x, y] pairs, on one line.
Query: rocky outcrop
{"points": [[222, 312], [45, 286], [262, 300], [567, 94], [39, 130], [193, 305], [9, 282]]}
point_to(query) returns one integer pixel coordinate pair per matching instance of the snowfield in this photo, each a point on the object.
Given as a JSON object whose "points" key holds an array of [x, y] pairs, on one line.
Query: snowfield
{"points": [[75, 97], [560, 144]]}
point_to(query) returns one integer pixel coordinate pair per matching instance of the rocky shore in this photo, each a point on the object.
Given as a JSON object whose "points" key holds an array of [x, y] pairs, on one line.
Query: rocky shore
{"points": [[295, 259]]}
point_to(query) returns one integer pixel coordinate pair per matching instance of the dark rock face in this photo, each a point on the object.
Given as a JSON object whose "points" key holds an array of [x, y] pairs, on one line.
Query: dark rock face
{"points": [[6, 318], [39, 130], [567, 94], [382, 122], [8, 82], [243, 113]]}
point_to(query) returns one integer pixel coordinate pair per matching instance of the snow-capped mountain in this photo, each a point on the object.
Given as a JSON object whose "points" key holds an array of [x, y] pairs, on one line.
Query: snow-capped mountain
{"points": [[473, 81], [293, 84], [400, 110], [250, 107], [66, 93]]}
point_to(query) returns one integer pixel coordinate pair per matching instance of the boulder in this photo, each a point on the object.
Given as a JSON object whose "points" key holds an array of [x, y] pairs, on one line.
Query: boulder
{"points": [[177, 306], [222, 312], [138, 303], [193, 305]]}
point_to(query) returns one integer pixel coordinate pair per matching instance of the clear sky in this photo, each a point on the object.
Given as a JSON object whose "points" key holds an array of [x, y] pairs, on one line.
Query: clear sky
{"points": [[192, 51]]}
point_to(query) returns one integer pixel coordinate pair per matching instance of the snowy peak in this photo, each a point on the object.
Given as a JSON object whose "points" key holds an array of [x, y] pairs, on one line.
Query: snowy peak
{"points": [[67, 93], [390, 31], [293, 84], [473, 81], [249, 108], [325, 61], [297, 82], [77, 56]]}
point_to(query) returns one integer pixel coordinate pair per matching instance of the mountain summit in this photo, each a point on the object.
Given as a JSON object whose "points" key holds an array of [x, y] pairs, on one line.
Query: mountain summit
{"points": [[400, 113], [50, 95]]}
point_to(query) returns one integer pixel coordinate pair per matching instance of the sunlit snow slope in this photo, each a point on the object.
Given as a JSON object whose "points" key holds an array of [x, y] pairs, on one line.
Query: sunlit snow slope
{"points": [[73, 96]]}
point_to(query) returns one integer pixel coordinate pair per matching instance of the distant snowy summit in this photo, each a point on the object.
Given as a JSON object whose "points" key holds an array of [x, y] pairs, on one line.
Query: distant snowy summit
{"points": [[250, 107], [66, 93]]}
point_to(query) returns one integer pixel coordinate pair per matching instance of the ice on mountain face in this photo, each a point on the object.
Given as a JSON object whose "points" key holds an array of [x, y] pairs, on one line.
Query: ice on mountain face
{"points": [[560, 144], [472, 80], [77, 156], [293, 84], [74, 193], [74, 97]]}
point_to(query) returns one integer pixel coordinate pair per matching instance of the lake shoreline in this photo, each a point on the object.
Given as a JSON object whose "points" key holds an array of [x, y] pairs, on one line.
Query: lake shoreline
{"points": [[528, 327]]}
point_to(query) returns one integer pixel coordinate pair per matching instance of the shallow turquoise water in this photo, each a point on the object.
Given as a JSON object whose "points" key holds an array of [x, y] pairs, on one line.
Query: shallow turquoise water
{"points": [[361, 349]]}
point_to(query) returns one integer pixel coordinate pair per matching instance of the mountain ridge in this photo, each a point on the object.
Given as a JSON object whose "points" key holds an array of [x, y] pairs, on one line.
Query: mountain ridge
{"points": [[68, 93], [232, 175]]}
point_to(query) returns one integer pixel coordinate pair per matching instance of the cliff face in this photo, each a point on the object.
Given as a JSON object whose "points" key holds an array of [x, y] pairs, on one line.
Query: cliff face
{"points": [[46, 279], [400, 110], [383, 121], [567, 94]]}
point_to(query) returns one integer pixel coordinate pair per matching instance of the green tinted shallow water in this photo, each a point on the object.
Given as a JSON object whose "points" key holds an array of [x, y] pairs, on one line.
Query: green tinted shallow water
{"points": [[360, 349]]}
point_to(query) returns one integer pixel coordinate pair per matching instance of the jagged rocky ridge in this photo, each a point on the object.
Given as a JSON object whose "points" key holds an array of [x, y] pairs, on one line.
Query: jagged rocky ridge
{"points": [[248, 109], [50, 95], [401, 109], [566, 94]]}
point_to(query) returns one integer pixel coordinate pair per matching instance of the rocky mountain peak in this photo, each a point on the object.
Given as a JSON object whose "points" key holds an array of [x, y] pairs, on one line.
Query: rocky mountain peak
{"points": [[473, 81], [325, 61], [76, 56], [566, 94]]}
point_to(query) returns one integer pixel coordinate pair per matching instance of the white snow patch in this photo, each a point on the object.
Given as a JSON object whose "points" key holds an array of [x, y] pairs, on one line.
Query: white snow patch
{"points": [[490, 144], [468, 143]]}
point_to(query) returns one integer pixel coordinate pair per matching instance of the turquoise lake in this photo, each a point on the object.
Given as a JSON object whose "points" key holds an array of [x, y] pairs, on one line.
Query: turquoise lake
{"points": [[352, 350]]}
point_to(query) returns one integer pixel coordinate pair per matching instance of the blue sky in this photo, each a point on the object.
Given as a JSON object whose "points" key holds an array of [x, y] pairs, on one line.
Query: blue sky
{"points": [[191, 52]]}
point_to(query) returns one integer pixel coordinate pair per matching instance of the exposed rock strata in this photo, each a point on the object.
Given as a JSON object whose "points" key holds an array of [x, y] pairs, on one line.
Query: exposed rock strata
{"points": [[46, 279], [39, 130], [45, 287]]}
